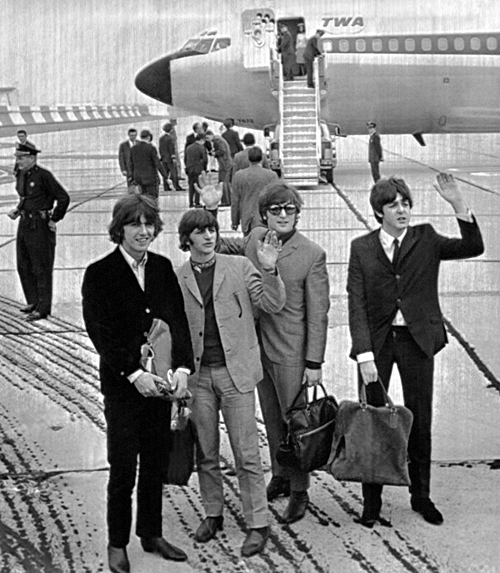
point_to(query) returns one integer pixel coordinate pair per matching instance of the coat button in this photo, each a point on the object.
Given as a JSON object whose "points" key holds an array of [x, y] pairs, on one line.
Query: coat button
{"points": [[148, 310], [201, 333], [398, 277], [398, 301]]}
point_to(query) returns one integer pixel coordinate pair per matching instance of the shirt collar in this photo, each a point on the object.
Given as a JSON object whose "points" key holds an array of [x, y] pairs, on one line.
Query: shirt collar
{"points": [[131, 261], [388, 240]]}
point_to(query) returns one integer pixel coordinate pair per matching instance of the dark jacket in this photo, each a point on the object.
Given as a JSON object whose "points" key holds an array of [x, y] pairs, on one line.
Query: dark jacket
{"points": [[124, 155], [144, 164], [167, 148], [195, 159], [376, 291], [118, 314], [374, 148], [233, 140]]}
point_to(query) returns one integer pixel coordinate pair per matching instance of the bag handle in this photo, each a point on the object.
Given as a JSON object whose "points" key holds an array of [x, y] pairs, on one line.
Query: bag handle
{"points": [[362, 395], [303, 390]]}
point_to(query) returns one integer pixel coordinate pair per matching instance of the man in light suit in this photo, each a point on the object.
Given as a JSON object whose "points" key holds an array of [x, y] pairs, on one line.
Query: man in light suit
{"points": [[293, 341], [124, 155], [395, 317], [241, 161], [247, 185], [122, 294], [220, 293], [144, 165], [374, 150]]}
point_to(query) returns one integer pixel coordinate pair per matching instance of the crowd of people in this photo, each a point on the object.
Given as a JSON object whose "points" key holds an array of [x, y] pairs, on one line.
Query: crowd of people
{"points": [[248, 318]]}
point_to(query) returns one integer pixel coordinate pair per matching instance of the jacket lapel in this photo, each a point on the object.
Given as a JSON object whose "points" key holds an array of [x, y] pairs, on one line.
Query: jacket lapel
{"points": [[190, 282], [290, 246], [407, 244], [377, 246], [219, 274]]}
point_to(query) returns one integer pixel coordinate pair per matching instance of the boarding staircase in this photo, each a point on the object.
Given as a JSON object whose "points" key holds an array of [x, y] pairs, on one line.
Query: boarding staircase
{"points": [[300, 132]]}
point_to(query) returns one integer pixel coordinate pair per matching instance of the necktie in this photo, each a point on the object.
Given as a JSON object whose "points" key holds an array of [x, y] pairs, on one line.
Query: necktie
{"points": [[395, 258]]}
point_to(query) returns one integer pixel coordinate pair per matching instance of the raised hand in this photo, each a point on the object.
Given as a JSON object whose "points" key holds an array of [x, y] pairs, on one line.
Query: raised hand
{"points": [[268, 251], [449, 190], [210, 191]]}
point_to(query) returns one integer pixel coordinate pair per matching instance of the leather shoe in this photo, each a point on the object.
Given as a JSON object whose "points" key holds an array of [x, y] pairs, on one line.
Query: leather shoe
{"points": [[118, 560], [35, 315], [370, 517], [28, 308], [255, 541], [276, 487], [427, 510], [163, 548], [208, 528], [296, 507]]}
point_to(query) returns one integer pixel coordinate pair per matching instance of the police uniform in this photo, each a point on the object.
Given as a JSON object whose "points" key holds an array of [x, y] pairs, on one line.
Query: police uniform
{"points": [[38, 189]]}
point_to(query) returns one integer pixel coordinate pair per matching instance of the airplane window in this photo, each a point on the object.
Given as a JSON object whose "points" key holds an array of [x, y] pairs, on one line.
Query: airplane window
{"points": [[491, 43], [377, 45], [410, 45], [459, 44], [360, 45], [190, 45], [442, 44], [344, 45], [203, 46], [327, 45], [221, 44], [426, 44], [475, 44], [393, 45]]}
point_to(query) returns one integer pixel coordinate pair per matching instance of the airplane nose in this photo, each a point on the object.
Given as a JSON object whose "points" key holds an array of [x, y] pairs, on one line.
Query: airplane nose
{"points": [[154, 80]]}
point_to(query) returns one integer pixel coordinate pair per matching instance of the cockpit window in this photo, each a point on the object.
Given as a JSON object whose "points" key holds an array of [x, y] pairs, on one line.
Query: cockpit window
{"points": [[205, 43]]}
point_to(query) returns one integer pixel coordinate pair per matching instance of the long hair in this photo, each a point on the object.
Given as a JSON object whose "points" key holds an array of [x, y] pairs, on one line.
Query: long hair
{"points": [[277, 193], [385, 191], [195, 219], [130, 209]]}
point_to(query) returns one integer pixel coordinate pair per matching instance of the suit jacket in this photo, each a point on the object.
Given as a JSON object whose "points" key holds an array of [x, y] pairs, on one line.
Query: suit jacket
{"points": [[238, 288], [298, 332], [233, 140], [376, 291], [118, 315], [241, 161], [124, 155], [144, 164], [167, 148], [312, 50], [247, 185], [195, 159], [222, 152], [374, 148]]}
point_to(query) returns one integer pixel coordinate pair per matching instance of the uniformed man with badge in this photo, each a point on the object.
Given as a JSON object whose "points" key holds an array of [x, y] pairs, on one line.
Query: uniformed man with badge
{"points": [[38, 190]]}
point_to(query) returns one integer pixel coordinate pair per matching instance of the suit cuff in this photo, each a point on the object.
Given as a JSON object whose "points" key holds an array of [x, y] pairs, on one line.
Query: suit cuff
{"points": [[183, 369], [365, 357], [466, 217], [133, 377], [313, 365]]}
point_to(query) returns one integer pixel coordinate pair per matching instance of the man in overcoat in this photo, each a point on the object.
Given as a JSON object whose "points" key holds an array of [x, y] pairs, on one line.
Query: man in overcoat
{"points": [[122, 294], [395, 317], [144, 165], [124, 155]]}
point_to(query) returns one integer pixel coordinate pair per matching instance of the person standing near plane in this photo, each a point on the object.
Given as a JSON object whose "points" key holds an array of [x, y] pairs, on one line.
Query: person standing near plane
{"points": [[22, 137], [123, 293], [196, 162], [300, 46], [220, 294], [287, 51], [310, 53], [395, 318], [144, 165], [38, 189], [124, 156], [241, 160], [168, 157], [247, 186], [293, 341], [232, 137], [374, 150], [222, 153]]}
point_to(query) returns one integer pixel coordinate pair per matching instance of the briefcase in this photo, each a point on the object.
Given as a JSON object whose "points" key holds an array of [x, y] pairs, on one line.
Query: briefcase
{"points": [[370, 444], [310, 426]]}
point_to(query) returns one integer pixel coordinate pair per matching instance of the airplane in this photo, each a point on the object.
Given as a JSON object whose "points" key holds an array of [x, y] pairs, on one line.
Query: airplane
{"points": [[412, 67]]}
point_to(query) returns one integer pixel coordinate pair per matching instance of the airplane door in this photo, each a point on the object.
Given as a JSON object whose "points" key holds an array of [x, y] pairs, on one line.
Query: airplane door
{"points": [[259, 42]]}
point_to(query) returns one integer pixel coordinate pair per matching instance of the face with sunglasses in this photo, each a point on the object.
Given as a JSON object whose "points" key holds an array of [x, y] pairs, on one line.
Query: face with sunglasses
{"points": [[282, 217]]}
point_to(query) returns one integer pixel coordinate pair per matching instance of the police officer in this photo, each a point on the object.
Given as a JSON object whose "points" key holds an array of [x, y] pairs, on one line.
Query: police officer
{"points": [[38, 189]]}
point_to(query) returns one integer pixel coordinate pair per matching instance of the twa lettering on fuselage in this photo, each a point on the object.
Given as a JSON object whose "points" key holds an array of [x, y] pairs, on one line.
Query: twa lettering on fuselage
{"points": [[343, 24]]}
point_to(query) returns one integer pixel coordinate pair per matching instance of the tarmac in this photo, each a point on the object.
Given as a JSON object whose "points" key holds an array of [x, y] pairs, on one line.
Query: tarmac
{"points": [[53, 467]]}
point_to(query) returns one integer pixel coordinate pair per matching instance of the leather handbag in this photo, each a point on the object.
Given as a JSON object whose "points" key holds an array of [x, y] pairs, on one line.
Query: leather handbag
{"points": [[181, 449], [370, 444], [310, 426]]}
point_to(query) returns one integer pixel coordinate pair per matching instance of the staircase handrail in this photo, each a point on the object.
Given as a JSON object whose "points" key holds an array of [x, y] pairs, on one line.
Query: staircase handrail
{"points": [[317, 93], [281, 103]]}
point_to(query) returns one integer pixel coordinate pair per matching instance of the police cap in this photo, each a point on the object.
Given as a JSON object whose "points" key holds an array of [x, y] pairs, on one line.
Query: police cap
{"points": [[27, 148]]}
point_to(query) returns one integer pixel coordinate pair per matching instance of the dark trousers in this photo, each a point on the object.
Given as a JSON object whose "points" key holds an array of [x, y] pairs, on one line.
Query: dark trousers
{"points": [[137, 429], [35, 251], [308, 62], [171, 169], [150, 190], [225, 179], [194, 196], [288, 63], [417, 372], [374, 166]]}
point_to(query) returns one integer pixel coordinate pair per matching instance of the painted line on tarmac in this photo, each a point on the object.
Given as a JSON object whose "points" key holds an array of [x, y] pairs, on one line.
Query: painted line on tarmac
{"points": [[467, 346]]}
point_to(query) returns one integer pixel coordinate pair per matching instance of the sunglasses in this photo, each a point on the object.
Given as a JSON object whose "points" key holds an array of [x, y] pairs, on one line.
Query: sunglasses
{"points": [[276, 209]]}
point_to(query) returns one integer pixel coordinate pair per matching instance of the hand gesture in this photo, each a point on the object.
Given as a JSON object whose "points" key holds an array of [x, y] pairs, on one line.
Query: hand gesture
{"points": [[147, 383], [312, 376], [210, 191], [448, 188], [268, 251]]}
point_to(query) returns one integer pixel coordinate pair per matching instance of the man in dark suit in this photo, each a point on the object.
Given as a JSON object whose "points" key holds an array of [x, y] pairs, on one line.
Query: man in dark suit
{"points": [[232, 137], [286, 48], [311, 51], [144, 165], [395, 317], [124, 155], [122, 294], [168, 157], [374, 150], [241, 161], [196, 161]]}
